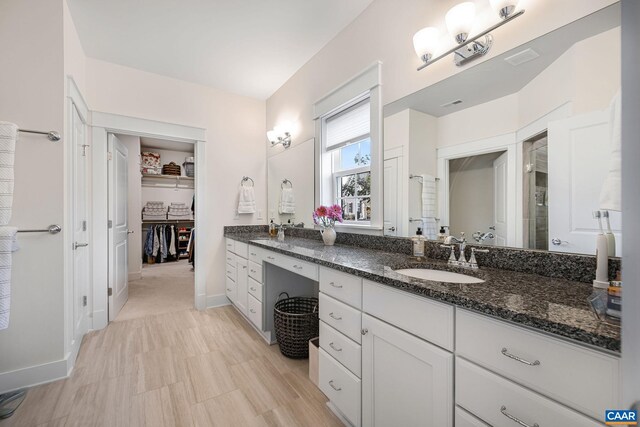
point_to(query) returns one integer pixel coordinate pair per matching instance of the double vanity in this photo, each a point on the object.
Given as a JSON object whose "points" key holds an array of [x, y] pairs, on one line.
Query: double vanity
{"points": [[508, 349]]}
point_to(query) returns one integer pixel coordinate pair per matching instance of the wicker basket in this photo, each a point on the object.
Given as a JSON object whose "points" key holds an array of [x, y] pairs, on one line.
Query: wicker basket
{"points": [[296, 322], [171, 169]]}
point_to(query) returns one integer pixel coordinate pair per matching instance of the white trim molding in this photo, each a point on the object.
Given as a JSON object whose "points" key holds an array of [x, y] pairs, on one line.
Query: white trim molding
{"points": [[219, 300]]}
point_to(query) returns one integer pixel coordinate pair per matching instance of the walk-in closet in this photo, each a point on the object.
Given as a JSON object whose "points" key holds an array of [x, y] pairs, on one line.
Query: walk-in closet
{"points": [[161, 207]]}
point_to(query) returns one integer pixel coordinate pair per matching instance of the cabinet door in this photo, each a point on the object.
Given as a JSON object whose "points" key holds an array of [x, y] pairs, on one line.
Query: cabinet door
{"points": [[242, 279], [405, 381]]}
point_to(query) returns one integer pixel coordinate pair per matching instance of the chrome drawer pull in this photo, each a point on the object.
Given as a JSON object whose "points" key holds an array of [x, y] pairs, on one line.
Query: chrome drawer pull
{"points": [[253, 289], [252, 270], [252, 310], [297, 267], [270, 257], [334, 347], [244, 267], [229, 290], [334, 387], [334, 317], [503, 409], [334, 285], [519, 359], [252, 254]]}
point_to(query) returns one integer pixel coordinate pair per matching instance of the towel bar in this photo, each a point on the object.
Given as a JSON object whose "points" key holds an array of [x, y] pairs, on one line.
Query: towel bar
{"points": [[52, 229], [52, 134]]}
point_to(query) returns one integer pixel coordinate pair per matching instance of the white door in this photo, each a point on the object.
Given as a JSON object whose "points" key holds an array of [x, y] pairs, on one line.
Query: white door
{"points": [[391, 197], [500, 200], [118, 247], [80, 216], [579, 150], [405, 381]]}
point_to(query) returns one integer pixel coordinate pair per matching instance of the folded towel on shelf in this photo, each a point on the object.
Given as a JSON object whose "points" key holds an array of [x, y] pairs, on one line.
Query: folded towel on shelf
{"points": [[8, 244], [287, 201], [247, 200], [8, 136], [428, 196]]}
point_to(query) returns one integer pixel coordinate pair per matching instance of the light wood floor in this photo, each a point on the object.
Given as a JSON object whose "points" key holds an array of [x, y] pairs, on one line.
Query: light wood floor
{"points": [[185, 368]]}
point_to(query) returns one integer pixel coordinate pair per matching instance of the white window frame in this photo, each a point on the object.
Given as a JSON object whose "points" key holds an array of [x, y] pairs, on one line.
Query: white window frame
{"points": [[366, 84]]}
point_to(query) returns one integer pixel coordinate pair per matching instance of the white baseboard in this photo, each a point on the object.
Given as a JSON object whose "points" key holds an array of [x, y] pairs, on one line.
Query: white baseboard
{"points": [[33, 375], [217, 300]]}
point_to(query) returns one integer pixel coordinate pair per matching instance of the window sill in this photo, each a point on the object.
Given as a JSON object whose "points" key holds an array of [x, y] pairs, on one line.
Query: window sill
{"points": [[358, 229]]}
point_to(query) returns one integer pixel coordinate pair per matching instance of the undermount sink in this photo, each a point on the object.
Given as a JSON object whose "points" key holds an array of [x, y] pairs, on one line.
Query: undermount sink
{"points": [[438, 275]]}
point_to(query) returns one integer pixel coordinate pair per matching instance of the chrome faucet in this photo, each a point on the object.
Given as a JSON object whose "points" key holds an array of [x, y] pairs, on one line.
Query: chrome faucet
{"points": [[451, 241]]}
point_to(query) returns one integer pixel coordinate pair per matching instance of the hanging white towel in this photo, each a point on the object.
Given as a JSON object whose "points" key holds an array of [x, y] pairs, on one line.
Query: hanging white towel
{"points": [[430, 228], [611, 192], [172, 242], [287, 201], [8, 244], [247, 200], [428, 196], [8, 135]]}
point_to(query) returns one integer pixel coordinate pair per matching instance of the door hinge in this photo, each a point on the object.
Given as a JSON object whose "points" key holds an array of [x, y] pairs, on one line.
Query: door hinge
{"points": [[110, 224], [84, 150], [84, 225], [109, 292], [109, 156], [84, 301]]}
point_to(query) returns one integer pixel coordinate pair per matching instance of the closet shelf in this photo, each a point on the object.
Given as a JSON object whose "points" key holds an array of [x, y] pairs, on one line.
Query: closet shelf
{"points": [[177, 182], [170, 177], [169, 221]]}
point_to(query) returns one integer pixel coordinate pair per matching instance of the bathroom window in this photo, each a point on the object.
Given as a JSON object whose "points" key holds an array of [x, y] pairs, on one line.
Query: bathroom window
{"points": [[349, 155]]}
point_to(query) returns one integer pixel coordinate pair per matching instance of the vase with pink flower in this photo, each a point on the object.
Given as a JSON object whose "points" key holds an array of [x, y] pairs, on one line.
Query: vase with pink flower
{"points": [[326, 217]]}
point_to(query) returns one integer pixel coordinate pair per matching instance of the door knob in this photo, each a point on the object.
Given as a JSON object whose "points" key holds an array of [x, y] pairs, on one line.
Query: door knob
{"points": [[557, 242], [129, 231], [391, 229], [77, 245]]}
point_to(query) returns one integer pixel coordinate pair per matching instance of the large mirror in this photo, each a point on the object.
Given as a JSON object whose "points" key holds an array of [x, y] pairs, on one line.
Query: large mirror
{"points": [[520, 150]]}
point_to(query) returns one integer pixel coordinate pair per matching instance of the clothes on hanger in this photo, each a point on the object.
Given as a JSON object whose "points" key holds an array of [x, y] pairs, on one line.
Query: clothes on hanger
{"points": [[160, 244]]}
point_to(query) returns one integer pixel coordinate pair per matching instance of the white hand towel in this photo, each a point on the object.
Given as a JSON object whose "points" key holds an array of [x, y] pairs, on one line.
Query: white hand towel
{"points": [[428, 196], [611, 192], [247, 200], [8, 136], [430, 230], [287, 201], [8, 244]]}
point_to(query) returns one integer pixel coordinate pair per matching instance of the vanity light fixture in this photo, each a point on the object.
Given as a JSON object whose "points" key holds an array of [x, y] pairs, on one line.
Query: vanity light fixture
{"points": [[280, 134], [459, 20]]}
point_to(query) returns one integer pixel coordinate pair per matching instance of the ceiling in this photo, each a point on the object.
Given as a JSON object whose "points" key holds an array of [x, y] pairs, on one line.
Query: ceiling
{"points": [[497, 77], [248, 47]]}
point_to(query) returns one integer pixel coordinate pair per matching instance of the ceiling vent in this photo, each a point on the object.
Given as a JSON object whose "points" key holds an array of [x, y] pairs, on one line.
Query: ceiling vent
{"points": [[449, 104], [522, 57]]}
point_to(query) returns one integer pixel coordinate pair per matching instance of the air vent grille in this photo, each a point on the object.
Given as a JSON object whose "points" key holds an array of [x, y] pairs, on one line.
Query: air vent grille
{"points": [[522, 57]]}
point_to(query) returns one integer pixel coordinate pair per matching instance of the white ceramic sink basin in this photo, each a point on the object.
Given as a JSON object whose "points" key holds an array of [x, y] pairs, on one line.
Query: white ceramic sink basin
{"points": [[438, 275]]}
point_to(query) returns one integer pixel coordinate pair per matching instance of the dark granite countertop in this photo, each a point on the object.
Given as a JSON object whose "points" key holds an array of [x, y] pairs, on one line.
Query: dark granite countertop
{"points": [[556, 306]]}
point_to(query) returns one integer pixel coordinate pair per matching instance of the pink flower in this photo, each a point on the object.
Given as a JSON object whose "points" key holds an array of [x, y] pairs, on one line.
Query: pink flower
{"points": [[321, 211]]}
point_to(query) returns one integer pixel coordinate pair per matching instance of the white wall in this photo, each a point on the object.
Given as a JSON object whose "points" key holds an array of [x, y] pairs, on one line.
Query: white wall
{"points": [[32, 95], [384, 32], [134, 205], [236, 143]]}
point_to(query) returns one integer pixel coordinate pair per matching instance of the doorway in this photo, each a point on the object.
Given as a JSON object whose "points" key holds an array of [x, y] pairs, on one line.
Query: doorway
{"points": [[152, 226]]}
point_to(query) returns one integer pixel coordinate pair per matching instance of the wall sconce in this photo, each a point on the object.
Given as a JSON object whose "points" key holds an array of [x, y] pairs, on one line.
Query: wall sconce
{"points": [[280, 134], [459, 20]]}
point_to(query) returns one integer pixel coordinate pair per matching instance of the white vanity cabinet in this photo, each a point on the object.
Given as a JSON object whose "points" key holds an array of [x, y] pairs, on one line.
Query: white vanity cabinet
{"points": [[237, 268]]}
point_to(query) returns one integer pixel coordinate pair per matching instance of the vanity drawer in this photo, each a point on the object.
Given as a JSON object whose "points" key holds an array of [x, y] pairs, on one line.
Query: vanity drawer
{"points": [[255, 254], [465, 419], [342, 286], [340, 316], [232, 290], [231, 244], [254, 311], [255, 271], [300, 267], [340, 386], [511, 350], [241, 249], [231, 271], [255, 289], [495, 399], [341, 348], [432, 321], [231, 258]]}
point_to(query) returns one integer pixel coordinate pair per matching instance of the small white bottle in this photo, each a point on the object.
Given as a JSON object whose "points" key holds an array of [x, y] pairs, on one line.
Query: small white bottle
{"points": [[281, 234], [418, 243]]}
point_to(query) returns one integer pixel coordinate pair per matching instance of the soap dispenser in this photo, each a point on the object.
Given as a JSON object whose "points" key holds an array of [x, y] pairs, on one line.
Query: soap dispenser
{"points": [[418, 243], [273, 231], [443, 233]]}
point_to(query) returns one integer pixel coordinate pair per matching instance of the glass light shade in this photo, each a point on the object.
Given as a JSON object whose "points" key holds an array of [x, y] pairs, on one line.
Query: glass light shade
{"points": [[459, 20], [282, 129], [425, 42], [272, 136]]}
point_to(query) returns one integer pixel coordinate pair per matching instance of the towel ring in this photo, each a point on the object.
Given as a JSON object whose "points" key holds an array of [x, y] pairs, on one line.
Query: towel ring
{"points": [[245, 179], [285, 182]]}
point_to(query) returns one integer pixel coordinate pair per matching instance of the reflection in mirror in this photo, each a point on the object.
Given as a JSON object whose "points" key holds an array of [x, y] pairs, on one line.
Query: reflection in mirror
{"points": [[291, 185], [525, 145]]}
